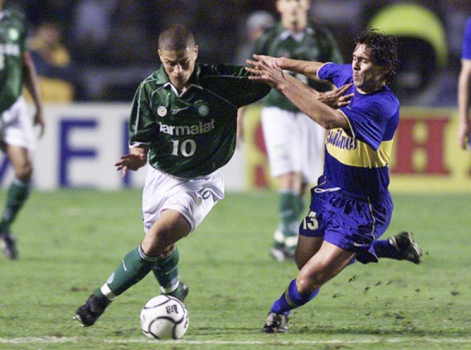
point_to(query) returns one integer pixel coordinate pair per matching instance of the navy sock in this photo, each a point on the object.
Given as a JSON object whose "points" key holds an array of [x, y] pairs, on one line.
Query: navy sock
{"points": [[291, 299]]}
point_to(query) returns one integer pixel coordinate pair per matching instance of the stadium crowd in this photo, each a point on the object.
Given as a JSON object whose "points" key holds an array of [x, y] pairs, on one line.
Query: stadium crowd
{"points": [[112, 44]]}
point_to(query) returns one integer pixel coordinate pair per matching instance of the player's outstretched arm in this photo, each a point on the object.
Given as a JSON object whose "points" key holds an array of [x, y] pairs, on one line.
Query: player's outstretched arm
{"points": [[307, 68], [303, 96], [31, 81], [136, 159]]}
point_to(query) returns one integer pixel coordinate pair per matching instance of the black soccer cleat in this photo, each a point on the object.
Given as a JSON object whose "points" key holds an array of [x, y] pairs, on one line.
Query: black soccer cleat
{"points": [[276, 323], [8, 243], [184, 292], [88, 313], [407, 247], [180, 293]]}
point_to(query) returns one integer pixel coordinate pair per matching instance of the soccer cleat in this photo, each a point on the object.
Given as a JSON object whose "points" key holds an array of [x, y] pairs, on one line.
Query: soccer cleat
{"points": [[281, 254], [88, 313], [180, 293], [407, 247], [184, 292], [276, 323], [8, 243], [284, 247]]}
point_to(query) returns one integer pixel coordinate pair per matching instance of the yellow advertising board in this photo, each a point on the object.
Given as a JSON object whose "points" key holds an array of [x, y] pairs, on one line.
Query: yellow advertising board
{"points": [[426, 156]]}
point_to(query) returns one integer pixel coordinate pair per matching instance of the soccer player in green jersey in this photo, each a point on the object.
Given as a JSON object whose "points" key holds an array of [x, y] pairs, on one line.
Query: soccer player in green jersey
{"points": [[183, 123], [17, 138], [294, 144]]}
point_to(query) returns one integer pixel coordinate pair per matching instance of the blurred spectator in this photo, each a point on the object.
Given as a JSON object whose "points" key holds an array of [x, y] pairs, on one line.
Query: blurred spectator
{"points": [[342, 18], [130, 42], [216, 25], [96, 33], [39, 11], [91, 28], [57, 75], [255, 25]]}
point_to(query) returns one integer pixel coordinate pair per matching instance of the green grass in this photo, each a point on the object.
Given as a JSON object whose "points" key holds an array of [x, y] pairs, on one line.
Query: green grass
{"points": [[71, 240]]}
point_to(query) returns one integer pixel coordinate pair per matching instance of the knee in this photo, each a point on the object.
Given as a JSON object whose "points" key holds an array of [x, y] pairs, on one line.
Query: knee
{"points": [[25, 172], [167, 252], [151, 247], [305, 285]]}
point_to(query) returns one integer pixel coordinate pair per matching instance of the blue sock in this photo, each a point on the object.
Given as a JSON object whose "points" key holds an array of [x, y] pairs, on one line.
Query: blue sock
{"points": [[383, 249], [291, 299]]}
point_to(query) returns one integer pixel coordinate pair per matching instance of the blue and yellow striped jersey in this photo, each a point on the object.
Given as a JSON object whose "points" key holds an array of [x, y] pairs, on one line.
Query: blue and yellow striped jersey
{"points": [[356, 160]]}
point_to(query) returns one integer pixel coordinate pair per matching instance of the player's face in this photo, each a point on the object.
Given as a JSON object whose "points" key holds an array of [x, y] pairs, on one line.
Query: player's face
{"points": [[292, 10], [367, 76], [179, 65]]}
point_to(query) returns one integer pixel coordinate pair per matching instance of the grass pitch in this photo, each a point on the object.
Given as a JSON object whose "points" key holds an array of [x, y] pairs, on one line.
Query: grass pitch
{"points": [[71, 240]]}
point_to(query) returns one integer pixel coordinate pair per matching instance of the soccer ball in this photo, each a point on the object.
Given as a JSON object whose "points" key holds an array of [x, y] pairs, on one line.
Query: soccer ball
{"points": [[164, 317]]}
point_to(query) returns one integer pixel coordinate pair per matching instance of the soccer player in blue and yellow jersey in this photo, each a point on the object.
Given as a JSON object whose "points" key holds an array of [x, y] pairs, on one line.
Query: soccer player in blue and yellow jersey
{"points": [[183, 123], [17, 138], [351, 206]]}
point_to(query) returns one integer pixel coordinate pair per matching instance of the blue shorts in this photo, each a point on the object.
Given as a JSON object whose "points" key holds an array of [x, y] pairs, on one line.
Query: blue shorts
{"points": [[350, 222]]}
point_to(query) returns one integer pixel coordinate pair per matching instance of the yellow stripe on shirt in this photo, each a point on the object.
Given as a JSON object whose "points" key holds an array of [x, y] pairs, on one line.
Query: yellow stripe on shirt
{"points": [[350, 151]]}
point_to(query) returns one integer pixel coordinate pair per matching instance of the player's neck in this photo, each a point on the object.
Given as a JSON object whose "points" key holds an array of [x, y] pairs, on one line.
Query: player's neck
{"points": [[295, 26]]}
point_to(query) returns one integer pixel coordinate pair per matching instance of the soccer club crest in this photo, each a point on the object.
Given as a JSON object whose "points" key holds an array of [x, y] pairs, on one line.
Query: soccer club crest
{"points": [[202, 108], [161, 111]]}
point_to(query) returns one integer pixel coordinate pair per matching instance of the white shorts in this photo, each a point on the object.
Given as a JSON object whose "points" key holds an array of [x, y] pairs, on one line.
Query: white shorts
{"points": [[16, 126], [294, 142], [193, 198]]}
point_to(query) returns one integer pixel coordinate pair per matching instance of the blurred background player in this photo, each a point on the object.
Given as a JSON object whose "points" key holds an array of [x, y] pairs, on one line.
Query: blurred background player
{"points": [[294, 143], [17, 138], [255, 24], [464, 92]]}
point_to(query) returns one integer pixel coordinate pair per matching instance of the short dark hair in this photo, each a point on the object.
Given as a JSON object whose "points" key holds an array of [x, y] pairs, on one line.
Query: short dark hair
{"points": [[383, 50], [176, 37]]}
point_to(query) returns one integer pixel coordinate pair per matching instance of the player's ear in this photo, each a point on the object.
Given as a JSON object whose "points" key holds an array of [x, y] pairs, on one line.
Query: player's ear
{"points": [[386, 68], [196, 51]]}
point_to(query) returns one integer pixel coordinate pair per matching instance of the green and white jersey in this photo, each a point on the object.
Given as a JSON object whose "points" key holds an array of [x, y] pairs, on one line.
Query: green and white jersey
{"points": [[192, 134], [316, 43], [13, 34]]}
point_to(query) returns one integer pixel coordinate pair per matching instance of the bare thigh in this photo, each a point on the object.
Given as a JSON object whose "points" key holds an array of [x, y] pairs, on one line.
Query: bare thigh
{"points": [[306, 248]]}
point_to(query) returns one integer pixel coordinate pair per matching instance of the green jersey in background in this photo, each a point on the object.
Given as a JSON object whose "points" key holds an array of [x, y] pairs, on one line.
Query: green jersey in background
{"points": [[315, 43], [13, 35]]}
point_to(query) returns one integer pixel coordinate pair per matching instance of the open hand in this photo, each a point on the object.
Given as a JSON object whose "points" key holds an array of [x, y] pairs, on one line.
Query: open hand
{"points": [[131, 162], [336, 98]]}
